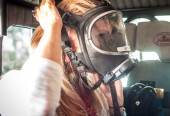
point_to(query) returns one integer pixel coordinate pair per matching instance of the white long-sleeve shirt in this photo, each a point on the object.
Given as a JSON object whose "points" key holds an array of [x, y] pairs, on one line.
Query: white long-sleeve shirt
{"points": [[32, 91]]}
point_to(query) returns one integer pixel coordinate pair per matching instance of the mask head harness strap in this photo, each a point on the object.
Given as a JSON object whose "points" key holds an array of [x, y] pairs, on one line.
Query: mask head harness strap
{"points": [[69, 19], [76, 62], [80, 67]]}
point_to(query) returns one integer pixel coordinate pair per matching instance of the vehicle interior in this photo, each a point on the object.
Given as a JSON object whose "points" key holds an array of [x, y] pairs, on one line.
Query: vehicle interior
{"points": [[147, 25]]}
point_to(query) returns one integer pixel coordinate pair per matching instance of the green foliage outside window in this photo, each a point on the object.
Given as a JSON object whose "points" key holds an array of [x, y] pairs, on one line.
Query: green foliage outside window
{"points": [[15, 47]]}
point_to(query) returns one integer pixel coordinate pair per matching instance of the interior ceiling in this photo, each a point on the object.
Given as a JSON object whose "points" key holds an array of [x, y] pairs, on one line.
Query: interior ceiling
{"points": [[117, 4], [133, 4]]}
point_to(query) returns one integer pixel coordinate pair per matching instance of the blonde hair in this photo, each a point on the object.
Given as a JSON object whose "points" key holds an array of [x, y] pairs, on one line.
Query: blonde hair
{"points": [[38, 33], [73, 90], [78, 7]]}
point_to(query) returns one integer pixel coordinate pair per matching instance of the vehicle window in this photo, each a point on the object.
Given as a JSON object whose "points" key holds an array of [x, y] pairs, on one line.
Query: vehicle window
{"points": [[15, 47], [150, 56], [124, 19], [141, 56], [160, 18], [163, 18], [136, 21]]}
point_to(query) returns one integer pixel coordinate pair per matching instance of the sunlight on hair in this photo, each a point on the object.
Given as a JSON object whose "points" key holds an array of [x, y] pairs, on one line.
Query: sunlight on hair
{"points": [[14, 48]]}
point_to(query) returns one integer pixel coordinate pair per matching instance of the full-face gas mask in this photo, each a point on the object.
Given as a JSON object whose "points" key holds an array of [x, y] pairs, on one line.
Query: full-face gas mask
{"points": [[102, 38]]}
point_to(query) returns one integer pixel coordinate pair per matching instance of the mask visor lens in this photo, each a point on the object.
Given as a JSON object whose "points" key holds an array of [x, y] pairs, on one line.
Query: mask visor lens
{"points": [[108, 33]]}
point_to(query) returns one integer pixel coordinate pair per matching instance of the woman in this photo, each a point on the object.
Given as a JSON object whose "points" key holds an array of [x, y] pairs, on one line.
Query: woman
{"points": [[35, 89], [76, 98], [39, 81]]}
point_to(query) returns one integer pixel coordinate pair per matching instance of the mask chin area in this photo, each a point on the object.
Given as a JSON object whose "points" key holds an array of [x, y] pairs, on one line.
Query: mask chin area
{"points": [[120, 71], [105, 64]]}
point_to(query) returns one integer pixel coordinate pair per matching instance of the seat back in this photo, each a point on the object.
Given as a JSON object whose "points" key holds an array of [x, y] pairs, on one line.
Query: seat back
{"points": [[153, 36]]}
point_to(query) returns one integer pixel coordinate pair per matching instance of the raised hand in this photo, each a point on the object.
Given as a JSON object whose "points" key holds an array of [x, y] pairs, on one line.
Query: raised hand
{"points": [[47, 15], [51, 24]]}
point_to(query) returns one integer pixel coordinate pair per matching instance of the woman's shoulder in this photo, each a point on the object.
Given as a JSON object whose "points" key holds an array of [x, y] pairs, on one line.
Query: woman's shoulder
{"points": [[40, 63], [10, 76]]}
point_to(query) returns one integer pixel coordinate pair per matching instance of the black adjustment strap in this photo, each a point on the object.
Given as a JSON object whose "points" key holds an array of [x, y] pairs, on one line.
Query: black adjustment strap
{"points": [[72, 56], [76, 62], [114, 99], [80, 67], [69, 19], [81, 71], [65, 39]]}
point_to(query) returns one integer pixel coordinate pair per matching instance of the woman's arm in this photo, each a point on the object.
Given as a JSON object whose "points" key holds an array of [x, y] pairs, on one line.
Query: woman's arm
{"points": [[51, 23], [35, 90], [48, 85], [44, 82]]}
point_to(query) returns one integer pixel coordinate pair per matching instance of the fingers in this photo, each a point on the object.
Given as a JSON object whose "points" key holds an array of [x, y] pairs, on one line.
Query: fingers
{"points": [[47, 14], [36, 12], [43, 8], [46, 3]]}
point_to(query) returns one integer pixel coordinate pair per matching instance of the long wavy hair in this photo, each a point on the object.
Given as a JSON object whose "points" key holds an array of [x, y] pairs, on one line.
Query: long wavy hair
{"points": [[73, 92]]}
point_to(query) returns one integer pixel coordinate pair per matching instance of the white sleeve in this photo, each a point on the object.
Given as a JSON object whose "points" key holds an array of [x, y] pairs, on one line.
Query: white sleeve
{"points": [[32, 91]]}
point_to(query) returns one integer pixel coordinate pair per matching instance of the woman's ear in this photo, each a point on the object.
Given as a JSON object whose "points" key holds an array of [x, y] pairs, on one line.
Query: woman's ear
{"points": [[72, 35]]}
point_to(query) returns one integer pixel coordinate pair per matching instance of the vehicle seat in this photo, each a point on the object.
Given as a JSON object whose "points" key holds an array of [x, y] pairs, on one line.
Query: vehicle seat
{"points": [[154, 36]]}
